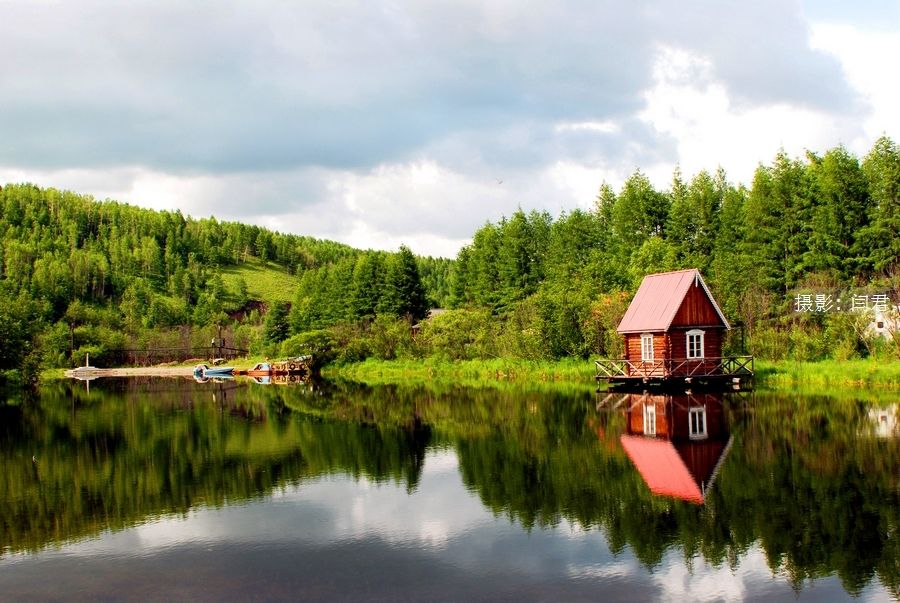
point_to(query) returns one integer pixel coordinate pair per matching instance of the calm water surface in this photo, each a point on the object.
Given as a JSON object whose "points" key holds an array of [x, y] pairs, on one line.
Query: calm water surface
{"points": [[173, 490]]}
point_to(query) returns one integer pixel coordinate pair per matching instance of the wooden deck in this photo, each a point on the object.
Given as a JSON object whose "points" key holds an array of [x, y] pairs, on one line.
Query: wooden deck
{"points": [[676, 370]]}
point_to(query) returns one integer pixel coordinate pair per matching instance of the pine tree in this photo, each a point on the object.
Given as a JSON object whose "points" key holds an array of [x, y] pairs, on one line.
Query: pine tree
{"points": [[404, 294]]}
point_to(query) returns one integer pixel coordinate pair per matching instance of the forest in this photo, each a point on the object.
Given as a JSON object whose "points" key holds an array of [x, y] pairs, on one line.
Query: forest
{"points": [[79, 275]]}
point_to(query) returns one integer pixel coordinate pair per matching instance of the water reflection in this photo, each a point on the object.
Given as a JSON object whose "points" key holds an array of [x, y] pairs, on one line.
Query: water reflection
{"points": [[808, 489], [677, 442]]}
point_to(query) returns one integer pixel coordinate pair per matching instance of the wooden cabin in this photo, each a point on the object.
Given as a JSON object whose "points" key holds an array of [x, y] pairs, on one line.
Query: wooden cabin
{"points": [[673, 330]]}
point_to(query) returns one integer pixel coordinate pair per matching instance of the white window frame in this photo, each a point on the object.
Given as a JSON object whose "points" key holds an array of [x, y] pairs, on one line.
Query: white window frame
{"points": [[697, 423], [693, 333], [646, 347], [650, 419]]}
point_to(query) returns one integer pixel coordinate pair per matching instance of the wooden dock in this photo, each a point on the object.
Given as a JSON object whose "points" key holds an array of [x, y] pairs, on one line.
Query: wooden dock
{"points": [[669, 371]]}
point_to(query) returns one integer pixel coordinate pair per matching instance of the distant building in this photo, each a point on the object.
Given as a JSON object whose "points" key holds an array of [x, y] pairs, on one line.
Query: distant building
{"points": [[885, 323]]}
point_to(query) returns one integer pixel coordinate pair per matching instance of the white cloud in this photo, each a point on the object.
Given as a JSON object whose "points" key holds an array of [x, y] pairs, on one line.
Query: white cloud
{"points": [[688, 104], [603, 127], [868, 59]]}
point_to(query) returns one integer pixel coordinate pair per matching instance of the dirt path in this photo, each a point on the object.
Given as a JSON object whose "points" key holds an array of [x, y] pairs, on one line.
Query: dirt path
{"points": [[144, 371]]}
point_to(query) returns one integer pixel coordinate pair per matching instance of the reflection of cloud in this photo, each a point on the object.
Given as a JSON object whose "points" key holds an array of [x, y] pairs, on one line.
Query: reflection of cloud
{"points": [[441, 529]]}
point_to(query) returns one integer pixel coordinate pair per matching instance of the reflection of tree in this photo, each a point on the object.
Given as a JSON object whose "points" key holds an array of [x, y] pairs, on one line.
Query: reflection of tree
{"points": [[104, 461], [800, 481]]}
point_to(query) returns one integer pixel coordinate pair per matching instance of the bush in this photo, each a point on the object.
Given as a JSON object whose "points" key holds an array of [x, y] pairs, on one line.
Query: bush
{"points": [[769, 343], [320, 344], [845, 335], [807, 345], [391, 338], [517, 336], [456, 334]]}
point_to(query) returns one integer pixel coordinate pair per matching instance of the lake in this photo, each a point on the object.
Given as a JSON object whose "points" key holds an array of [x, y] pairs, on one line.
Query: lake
{"points": [[167, 489]]}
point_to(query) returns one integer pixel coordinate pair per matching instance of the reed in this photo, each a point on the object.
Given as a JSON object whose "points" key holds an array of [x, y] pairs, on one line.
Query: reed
{"points": [[511, 370], [865, 373]]}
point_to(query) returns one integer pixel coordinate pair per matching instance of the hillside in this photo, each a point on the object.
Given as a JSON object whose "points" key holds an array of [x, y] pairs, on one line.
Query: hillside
{"points": [[80, 273]]}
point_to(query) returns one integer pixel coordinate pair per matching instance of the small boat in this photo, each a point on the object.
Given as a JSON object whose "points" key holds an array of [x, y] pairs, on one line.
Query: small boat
{"points": [[203, 371]]}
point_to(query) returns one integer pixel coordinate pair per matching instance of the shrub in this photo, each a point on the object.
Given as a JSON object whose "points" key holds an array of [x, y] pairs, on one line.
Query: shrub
{"points": [[320, 344]]}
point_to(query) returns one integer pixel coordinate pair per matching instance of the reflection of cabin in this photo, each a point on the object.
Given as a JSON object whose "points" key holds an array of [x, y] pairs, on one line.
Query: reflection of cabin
{"points": [[676, 442], [673, 330]]}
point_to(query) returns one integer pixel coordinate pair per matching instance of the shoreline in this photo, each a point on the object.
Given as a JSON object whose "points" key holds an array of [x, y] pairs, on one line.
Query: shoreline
{"points": [[850, 374], [143, 371]]}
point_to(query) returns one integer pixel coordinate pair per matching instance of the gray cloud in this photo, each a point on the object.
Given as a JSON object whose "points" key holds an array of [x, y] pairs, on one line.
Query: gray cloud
{"points": [[218, 89], [291, 109], [760, 50]]}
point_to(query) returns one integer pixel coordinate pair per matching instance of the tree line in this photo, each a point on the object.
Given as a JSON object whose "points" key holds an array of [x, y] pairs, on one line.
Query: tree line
{"points": [[824, 223], [79, 274]]}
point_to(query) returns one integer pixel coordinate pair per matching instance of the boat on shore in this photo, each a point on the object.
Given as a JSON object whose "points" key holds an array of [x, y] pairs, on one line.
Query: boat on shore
{"points": [[207, 372], [297, 365]]}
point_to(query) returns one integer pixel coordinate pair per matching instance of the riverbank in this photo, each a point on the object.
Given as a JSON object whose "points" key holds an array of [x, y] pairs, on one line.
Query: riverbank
{"points": [[865, 373], [569, 370], [860, 373], [141, 371]]}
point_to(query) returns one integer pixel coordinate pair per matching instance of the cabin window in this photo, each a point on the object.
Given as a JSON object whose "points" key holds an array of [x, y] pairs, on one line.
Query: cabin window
{"points": [[879, 325], [647, 347], [695, 344], [697, 423], [650, 419]]}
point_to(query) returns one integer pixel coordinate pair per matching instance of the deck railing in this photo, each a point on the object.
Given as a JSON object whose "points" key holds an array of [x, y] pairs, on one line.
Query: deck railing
{"points": [[674, 367]]}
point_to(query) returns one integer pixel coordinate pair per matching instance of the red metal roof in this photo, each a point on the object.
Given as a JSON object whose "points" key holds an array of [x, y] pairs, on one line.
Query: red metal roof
{"points": [[662, 468], [658, 299]]}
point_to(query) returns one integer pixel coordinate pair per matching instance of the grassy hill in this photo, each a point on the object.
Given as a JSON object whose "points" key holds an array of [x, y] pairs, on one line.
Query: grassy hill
{"points": [[266, 281]]}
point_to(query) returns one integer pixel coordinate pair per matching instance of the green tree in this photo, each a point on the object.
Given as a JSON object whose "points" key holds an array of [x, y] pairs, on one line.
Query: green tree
{"points": [[404, 295], [880, 238], [640, 211], [841, 209], [777, 215], [277, 327], [368, 284], [21, 319]]}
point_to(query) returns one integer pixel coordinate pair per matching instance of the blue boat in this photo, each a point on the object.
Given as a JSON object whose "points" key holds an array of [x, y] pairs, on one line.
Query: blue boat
{"points": [[203, 371]]}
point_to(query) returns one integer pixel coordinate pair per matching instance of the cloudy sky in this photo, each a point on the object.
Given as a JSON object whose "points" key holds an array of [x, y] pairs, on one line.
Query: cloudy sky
{"points": [[379, 123]]}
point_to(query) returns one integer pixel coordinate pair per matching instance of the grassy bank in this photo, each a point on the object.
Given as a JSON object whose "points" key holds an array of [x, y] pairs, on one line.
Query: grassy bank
{"points": [[867, 373], [822, 375], [466, 371]]}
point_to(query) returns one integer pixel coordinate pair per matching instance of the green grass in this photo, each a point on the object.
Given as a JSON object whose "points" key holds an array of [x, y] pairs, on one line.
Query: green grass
{"points": [[266, 281], [822, 376], [867, 373], [466, 372], [52, 374]]}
